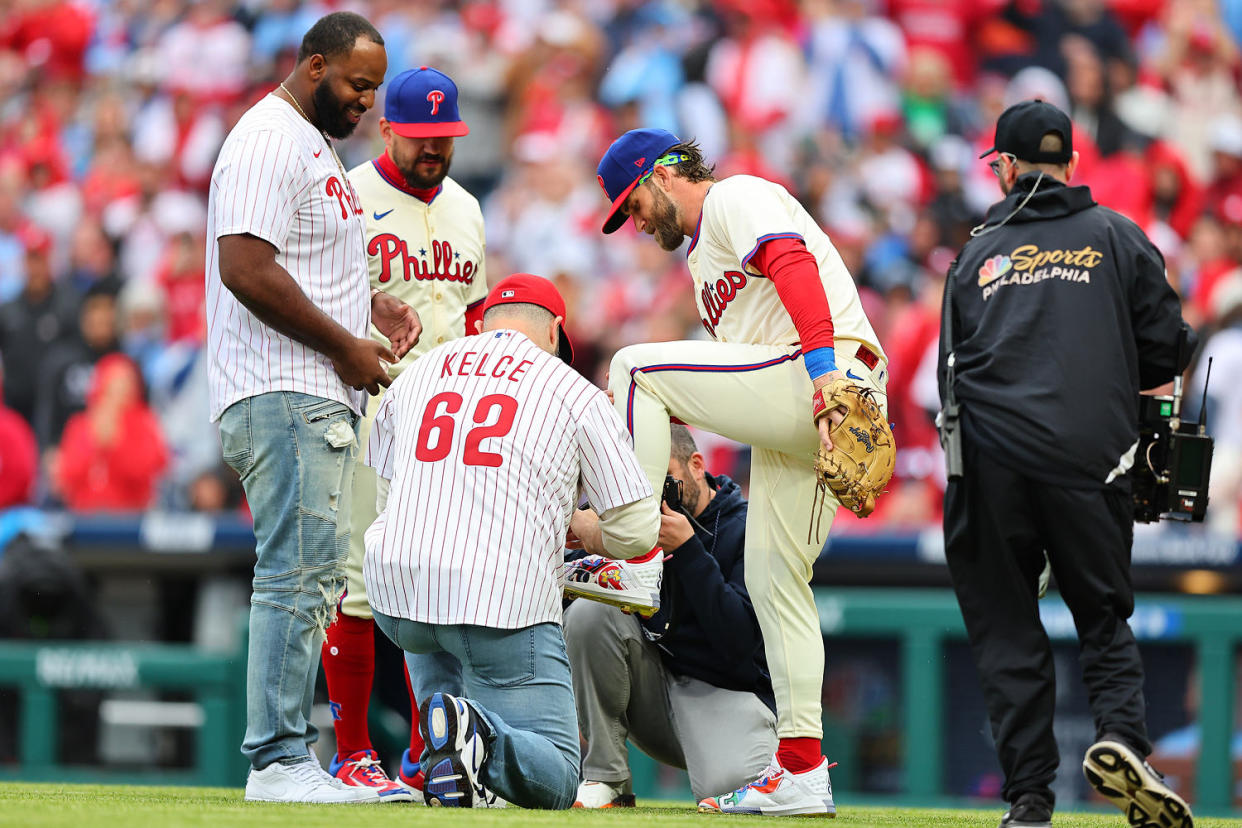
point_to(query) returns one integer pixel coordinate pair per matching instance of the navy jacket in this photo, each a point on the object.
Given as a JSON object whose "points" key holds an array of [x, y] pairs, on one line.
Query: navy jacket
{"points": [[706, 627]]}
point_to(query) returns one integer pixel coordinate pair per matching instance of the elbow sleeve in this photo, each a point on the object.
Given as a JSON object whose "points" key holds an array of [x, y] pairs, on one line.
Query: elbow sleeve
{"points": [[382, 485], [631, 530]]}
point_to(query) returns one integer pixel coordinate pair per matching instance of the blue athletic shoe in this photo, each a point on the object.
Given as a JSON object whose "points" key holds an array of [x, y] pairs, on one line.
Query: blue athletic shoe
{"points": [[457, 751]]}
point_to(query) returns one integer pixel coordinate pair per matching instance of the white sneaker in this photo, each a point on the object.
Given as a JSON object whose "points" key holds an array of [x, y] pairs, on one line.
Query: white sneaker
{"points": [[602, 795], [457, 751], [302, 782], [778, 792], [485, 797], [1138, 789], [630, 586]]}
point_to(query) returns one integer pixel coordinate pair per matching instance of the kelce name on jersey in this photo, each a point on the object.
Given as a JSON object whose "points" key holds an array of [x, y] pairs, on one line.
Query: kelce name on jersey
{"points": [[444, 262], [466, 366]]}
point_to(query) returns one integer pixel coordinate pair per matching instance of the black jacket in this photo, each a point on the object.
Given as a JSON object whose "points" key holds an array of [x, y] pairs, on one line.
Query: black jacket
{"points": [[706, 626], [1062, 313]]}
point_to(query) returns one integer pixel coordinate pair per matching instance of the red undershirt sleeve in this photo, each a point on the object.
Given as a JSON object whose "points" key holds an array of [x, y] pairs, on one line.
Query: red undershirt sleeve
{"points": [[794, 273]]}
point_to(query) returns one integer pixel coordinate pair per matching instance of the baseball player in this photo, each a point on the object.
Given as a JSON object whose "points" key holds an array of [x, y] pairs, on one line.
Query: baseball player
{"points": [[785, 320], [288, 310], [424, 241], [495, 437]]}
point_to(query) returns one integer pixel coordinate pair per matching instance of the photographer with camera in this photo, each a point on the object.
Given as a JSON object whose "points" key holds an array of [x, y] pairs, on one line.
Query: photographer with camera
{"points": [[689, 685], [1057, 313]]}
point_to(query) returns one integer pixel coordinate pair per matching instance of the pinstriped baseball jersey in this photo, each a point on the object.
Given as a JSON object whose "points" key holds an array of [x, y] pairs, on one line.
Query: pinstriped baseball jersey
{"points": [[277, 178], [487, 441], [736, 303], [430, 256]]}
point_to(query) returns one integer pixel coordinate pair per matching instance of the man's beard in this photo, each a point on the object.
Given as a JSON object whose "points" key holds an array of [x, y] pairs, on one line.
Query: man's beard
{"points": [[664, 221], [690, 495], [331, 112], [426, 182]]}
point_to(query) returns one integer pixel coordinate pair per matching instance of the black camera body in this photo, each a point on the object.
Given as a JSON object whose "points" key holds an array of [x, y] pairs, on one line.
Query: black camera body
{"points": [[1172, 463], [672, 492]]}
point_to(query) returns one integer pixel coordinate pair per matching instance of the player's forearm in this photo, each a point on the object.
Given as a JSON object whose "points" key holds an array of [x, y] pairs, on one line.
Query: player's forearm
{"points": [[631, 530], [268, 291], [382, 487]]}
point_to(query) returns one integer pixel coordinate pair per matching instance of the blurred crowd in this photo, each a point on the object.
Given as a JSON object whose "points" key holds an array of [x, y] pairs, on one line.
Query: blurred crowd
{"points": [[872, 112]]}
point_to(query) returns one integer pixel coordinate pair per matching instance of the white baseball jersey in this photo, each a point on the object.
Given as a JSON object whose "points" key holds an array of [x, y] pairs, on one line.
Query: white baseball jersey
{"points": [[277, 178], [736, 303], [428, 255], [487, 441]]}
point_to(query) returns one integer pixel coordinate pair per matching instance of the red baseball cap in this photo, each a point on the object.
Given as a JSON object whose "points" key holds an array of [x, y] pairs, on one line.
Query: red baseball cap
{"points": [[529, 289]]}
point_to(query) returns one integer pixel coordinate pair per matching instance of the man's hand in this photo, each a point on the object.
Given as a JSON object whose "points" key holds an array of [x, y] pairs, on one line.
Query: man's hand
{"points": [[675, 528], [825, 424], [358, 364], [397, 321], [584, 525]]}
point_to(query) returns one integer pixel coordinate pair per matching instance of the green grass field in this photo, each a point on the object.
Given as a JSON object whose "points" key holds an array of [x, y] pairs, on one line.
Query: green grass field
{"points": [[104, 806]]}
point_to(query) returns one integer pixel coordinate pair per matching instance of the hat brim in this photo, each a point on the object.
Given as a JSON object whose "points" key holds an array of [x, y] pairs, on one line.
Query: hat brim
{"points": [[449, 129], [616, 218], [565, 350]]}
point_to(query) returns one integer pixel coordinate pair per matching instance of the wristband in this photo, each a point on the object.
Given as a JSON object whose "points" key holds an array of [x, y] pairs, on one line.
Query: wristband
{"points": [[819, 361]]}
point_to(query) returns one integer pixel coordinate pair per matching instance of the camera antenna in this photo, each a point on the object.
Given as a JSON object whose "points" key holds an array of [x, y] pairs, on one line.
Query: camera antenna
{"points": [[1203, 405]]}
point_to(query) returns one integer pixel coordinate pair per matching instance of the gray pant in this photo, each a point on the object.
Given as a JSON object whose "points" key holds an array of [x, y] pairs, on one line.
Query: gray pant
{"points": [[723, 738]]}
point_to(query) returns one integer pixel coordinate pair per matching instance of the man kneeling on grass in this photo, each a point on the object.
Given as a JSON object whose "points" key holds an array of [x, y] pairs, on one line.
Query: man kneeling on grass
{"points": [[689, 685], [487, 442]]}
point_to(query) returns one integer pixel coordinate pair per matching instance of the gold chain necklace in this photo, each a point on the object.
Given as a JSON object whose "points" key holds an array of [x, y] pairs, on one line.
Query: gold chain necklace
{"points": [[331, 148]]}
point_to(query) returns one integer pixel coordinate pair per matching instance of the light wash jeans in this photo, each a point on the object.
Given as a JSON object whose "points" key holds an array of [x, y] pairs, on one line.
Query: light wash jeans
{"points": [[519, 682], [295, 455]]}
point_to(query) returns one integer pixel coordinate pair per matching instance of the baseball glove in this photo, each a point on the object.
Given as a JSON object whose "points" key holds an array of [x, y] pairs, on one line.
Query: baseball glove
{"points": [[863, 452]]}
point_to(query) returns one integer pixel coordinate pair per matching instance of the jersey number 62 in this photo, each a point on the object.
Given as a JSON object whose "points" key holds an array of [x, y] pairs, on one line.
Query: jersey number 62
{"points": [[435, 434]]}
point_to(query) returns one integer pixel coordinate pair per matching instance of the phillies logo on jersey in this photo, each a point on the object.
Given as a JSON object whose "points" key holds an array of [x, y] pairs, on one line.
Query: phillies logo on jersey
{"points": [[435, 97], [345, 196], [716, 297], [443, 263]]}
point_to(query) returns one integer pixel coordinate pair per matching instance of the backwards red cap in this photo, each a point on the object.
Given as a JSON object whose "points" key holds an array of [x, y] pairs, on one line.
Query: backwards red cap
{"points": [[529, 289]]}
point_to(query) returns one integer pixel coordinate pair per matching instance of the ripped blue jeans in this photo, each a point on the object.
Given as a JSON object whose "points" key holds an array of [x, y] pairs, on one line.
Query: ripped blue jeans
{"points": [[295, 455]]}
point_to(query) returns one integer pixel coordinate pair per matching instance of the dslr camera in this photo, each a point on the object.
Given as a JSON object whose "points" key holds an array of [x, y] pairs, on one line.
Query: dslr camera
{"points": [[672, 492], [1174, 459]]}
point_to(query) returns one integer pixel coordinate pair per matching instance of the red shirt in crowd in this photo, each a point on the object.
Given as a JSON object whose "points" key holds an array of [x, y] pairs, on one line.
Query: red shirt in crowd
{"points": [[112, 454], [19, 458]]}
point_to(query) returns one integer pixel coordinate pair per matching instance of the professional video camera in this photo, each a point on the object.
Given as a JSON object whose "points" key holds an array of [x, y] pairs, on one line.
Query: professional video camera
{"points": [[1174, 459]]}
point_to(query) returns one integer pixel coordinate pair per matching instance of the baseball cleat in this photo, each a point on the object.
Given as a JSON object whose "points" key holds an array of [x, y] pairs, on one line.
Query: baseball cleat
{"points": [[410, 776], [779, 792], [361, 769], [457, 751], [602, 795], [629, 586], [1122, 777]]}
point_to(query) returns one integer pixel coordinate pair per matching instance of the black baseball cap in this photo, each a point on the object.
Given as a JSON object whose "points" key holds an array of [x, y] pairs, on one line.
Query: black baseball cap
{"points": [[1022, 126]]}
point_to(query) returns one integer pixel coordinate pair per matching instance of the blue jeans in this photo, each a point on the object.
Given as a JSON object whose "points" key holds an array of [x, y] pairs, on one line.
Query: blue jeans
{"points": [[295, 456], [518, 681]]}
